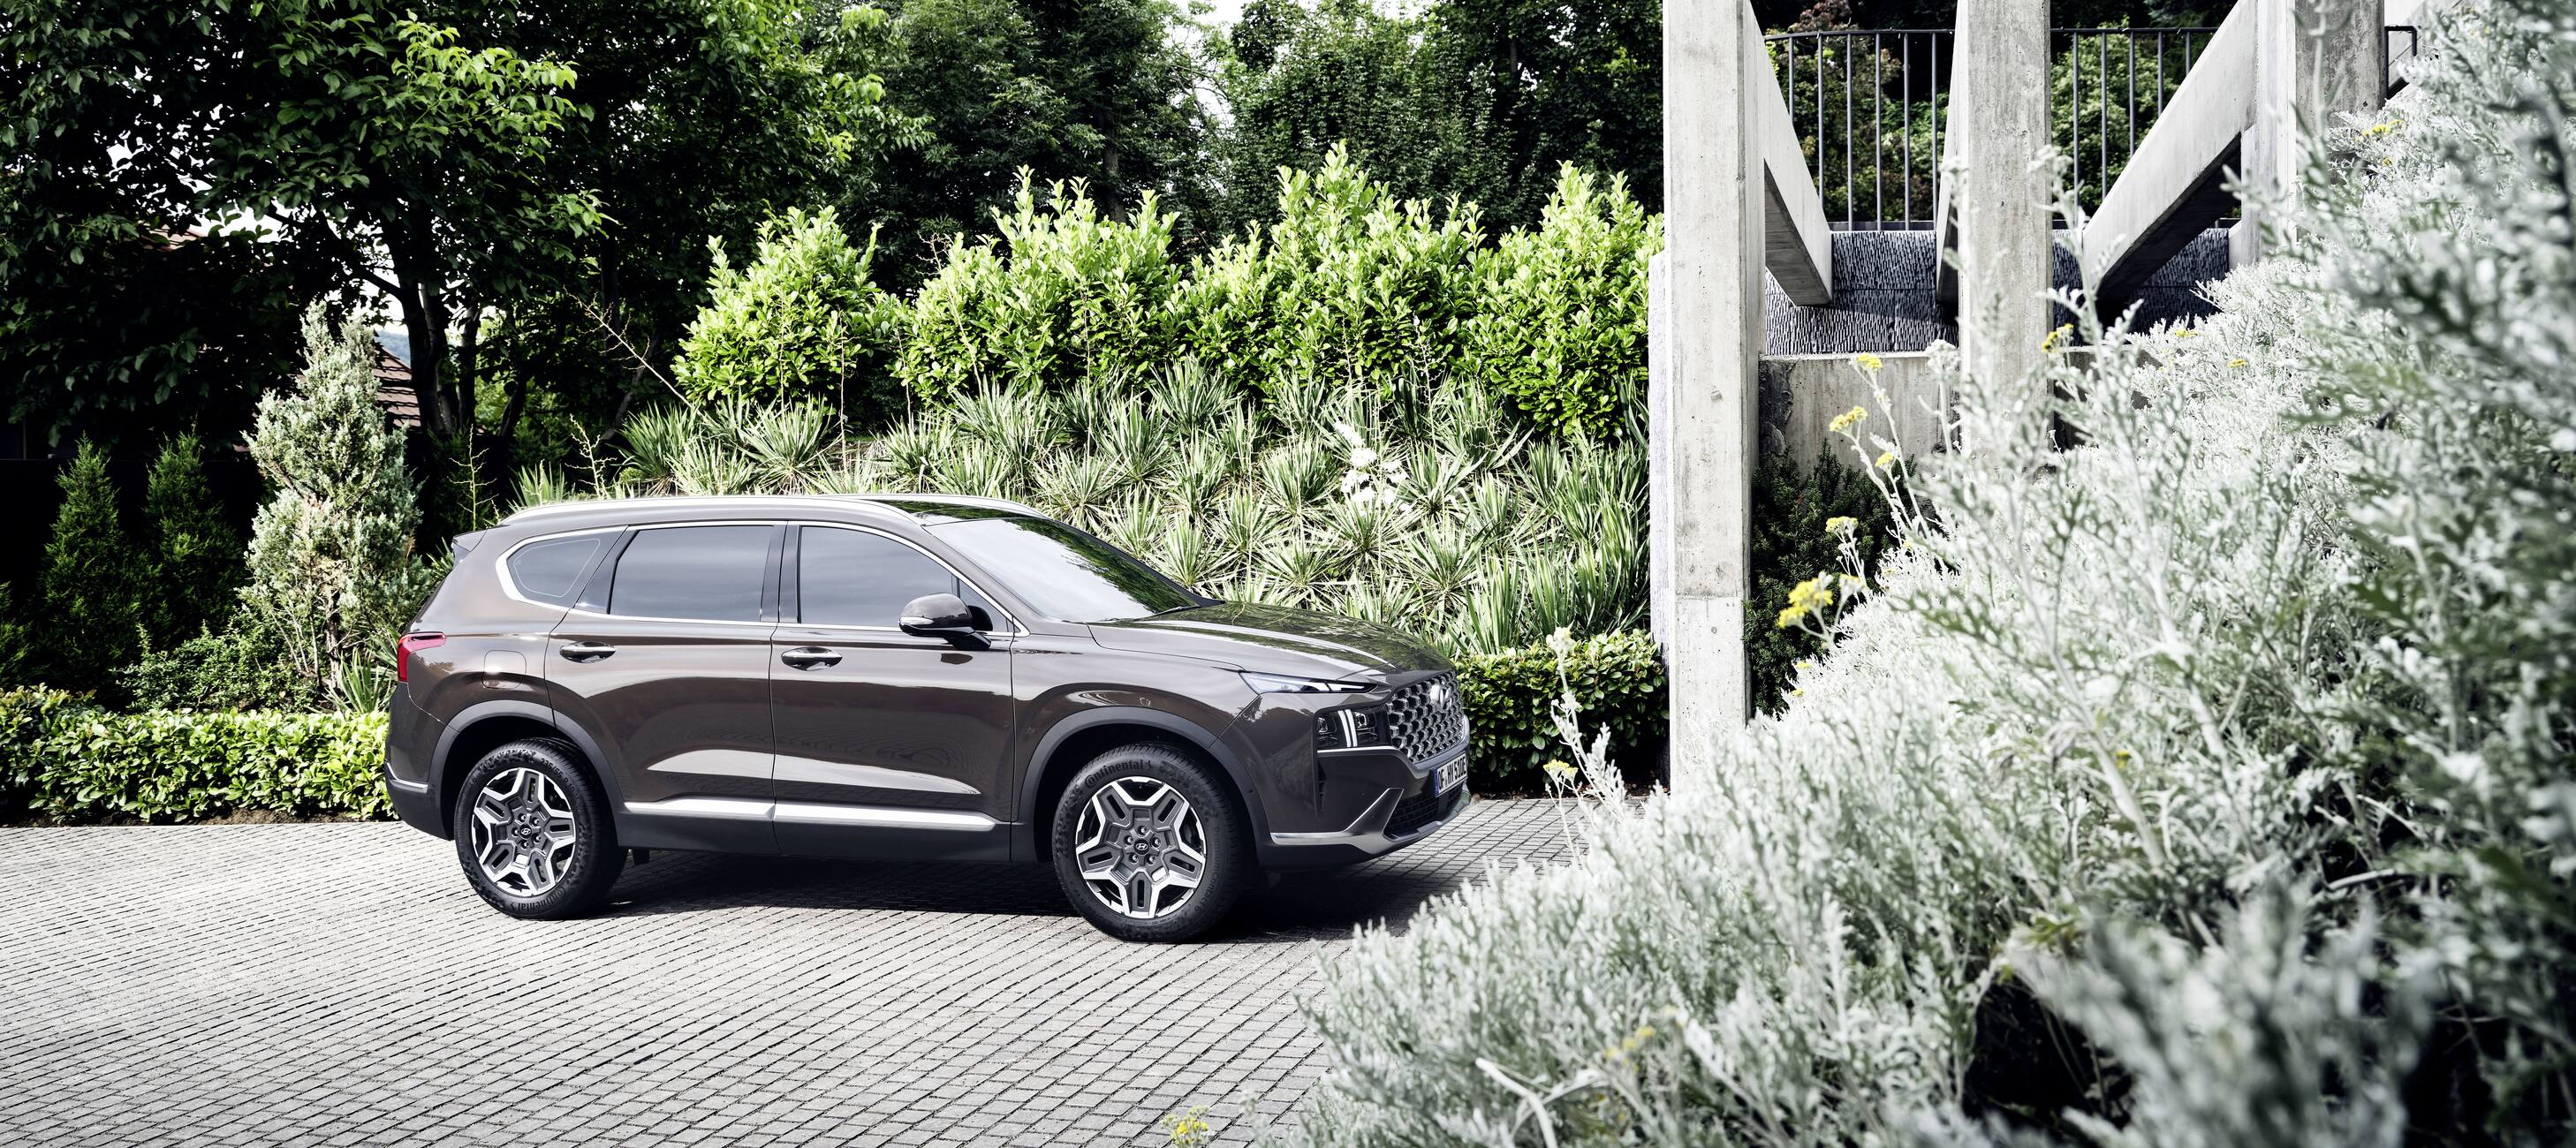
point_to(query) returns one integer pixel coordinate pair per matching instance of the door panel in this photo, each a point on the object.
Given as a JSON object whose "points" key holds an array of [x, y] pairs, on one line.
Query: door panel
{"points": [[887, 744], [679, 706]]}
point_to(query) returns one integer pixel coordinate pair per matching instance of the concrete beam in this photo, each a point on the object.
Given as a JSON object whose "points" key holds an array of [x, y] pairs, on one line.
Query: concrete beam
{"points": [[2176, 184], [1709, 351], [1996, 189], [1797, 242]]}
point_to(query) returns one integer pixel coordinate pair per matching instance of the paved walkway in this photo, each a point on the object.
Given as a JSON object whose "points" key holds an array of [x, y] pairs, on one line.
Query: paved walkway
{"points": [[339, 984]]}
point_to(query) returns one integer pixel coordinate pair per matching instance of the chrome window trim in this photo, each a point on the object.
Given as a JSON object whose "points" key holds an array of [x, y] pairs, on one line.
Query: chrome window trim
{"points": [[510, 585], [570, 611], [1017, 630]]}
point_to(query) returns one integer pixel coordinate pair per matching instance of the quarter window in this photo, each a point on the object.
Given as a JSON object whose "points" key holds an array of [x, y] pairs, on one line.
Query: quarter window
{"points": [[853, 578], [550, 570], [714, 573]]}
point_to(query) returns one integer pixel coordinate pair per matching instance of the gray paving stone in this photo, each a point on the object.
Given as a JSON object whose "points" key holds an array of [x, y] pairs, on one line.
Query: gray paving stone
{"points": [[339, 984]]}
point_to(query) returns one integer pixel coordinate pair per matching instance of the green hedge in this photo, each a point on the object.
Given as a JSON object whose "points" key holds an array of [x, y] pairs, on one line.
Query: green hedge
{"points": [[1511, 697], [65, 760]]}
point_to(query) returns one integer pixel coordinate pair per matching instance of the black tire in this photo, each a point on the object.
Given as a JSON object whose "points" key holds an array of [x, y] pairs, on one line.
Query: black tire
{"points": [[581, 873], [1224, 840]]}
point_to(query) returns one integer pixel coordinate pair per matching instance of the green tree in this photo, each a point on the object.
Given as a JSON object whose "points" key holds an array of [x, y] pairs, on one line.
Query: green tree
{"points": [[331, 553], [1097, 90], [801, 322], [86, 625], [1482, 100], [196, 555], [369, 132], [17, 643]]}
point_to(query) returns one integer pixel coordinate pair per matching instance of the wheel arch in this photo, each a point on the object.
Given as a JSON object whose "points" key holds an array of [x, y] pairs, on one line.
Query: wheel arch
{"points": [[482, 728], [1075, 741]]}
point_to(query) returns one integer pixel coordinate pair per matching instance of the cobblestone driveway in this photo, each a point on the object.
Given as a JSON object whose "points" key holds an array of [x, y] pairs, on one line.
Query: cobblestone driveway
{"points": [[339, 984]]}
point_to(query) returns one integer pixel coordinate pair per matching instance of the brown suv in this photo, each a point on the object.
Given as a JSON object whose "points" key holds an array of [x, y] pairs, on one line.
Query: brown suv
{"points": [[908, 677]]}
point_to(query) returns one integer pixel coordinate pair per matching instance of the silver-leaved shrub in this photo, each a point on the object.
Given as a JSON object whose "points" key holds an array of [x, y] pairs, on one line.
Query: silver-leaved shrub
{"points": [[2196, 784]]}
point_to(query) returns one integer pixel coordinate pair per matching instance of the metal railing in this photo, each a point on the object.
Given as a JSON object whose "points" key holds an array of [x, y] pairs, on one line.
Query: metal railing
{"points": [[1870, 107]]}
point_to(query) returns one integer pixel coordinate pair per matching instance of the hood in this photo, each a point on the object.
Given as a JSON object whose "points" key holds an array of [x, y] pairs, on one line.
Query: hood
{"points": [[1273, 640]]}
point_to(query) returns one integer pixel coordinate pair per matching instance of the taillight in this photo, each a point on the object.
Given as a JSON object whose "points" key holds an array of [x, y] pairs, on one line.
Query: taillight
{"points": [[410, 643]]}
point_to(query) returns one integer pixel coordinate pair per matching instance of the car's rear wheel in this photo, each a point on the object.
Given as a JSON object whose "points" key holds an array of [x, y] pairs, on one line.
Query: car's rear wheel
{"points": [[1148, 847], [533, 833]]}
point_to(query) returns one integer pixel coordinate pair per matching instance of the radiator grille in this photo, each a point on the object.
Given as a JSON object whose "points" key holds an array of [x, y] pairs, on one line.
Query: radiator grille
{"points": [[1426, 720]]}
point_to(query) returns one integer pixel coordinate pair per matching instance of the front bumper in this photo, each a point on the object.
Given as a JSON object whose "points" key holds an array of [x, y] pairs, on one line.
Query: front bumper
{"points": [[1398, 816]]}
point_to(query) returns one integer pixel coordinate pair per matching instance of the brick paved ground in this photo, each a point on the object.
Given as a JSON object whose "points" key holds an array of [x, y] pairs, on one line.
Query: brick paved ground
{"points": [[339, 984]]}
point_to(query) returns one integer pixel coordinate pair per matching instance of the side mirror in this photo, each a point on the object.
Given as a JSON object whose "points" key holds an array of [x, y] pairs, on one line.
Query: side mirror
{"points": [[939, 616]]}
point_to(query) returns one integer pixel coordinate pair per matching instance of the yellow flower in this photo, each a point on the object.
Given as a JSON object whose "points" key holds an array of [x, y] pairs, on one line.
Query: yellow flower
{"points": [[2383, 127], [1846, 420], [2185, 333], [1840, 524], [1867, 362], [2235, 362], [1558, 769], [1851, 581], [2054, 337], [1886, 459], [1799, 693]]}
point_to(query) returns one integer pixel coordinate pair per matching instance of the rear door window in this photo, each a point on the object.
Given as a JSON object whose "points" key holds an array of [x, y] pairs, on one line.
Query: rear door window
{"points": [[699, 573]]}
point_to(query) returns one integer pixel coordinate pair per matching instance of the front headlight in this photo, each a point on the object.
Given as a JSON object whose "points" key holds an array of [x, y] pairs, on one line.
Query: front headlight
{"points": [[1279, 684]]}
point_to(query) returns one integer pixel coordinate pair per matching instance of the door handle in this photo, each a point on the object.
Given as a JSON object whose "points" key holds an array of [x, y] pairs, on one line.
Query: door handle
{"points": [[808, 657], [587, 651]]}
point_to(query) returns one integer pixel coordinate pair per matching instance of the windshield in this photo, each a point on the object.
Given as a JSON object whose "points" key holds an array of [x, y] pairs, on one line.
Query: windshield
{"points": [[1062, 572]]}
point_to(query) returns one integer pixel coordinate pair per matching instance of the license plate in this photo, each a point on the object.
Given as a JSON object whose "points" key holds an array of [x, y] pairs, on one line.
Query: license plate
{"points": [[1452, 775]]}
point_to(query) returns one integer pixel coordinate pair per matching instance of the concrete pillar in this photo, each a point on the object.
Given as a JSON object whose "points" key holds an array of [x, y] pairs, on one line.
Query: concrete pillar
{"points": [[1708, 351], [2314, 62], [2004, 199]]}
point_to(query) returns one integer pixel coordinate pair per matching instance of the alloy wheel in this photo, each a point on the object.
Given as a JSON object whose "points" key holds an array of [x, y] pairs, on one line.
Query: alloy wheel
{"points": [[1140, 847], [524, 832]]}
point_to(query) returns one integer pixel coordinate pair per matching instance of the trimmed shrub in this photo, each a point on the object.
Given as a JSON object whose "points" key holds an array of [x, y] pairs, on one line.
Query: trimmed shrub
{"points": [[87, 624], [241, 667], [196, 554], [1617, 679], [1559, 321], [67, 761], [1058, 293], [801, 323]]}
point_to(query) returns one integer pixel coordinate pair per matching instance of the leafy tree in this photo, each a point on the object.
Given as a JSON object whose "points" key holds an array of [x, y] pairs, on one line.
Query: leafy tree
{"points": [[370, 132], [87, 623], [196, 554], [1097, 90], [331, 554], [1482, 100]]}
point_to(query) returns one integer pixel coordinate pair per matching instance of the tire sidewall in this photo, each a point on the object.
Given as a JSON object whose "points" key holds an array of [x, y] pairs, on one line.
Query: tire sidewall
{"points": [[596, 859], [1229, 836]]}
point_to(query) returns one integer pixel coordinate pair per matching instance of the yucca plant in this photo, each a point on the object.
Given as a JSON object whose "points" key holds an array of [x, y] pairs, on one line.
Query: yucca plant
{"points": [[1134, 444], [1076, 489], [790, 446], [540, 485], [1298, 474], [1189, 398], [712, 466]]}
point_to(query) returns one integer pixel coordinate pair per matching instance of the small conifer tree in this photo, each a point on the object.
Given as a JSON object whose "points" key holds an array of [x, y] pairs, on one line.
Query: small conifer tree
{"points": [[196, 555], [88, 619], [331, 552]]}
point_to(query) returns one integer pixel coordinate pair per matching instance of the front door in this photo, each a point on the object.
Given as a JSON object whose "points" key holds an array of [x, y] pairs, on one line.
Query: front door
{"points": [[666, 665], [888, 744]]}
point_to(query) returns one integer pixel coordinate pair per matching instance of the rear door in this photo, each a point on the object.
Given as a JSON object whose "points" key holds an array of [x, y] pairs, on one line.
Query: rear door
{"points": [[888, 745], [665, 663]]}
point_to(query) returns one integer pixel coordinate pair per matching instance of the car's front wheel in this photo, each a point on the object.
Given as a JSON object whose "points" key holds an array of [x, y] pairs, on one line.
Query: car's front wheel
{"points": [[1148, 847], [533, 834]]}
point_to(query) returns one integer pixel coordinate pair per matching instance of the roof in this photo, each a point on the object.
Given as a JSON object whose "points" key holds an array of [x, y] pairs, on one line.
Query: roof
{"points": [[915, 505]]}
